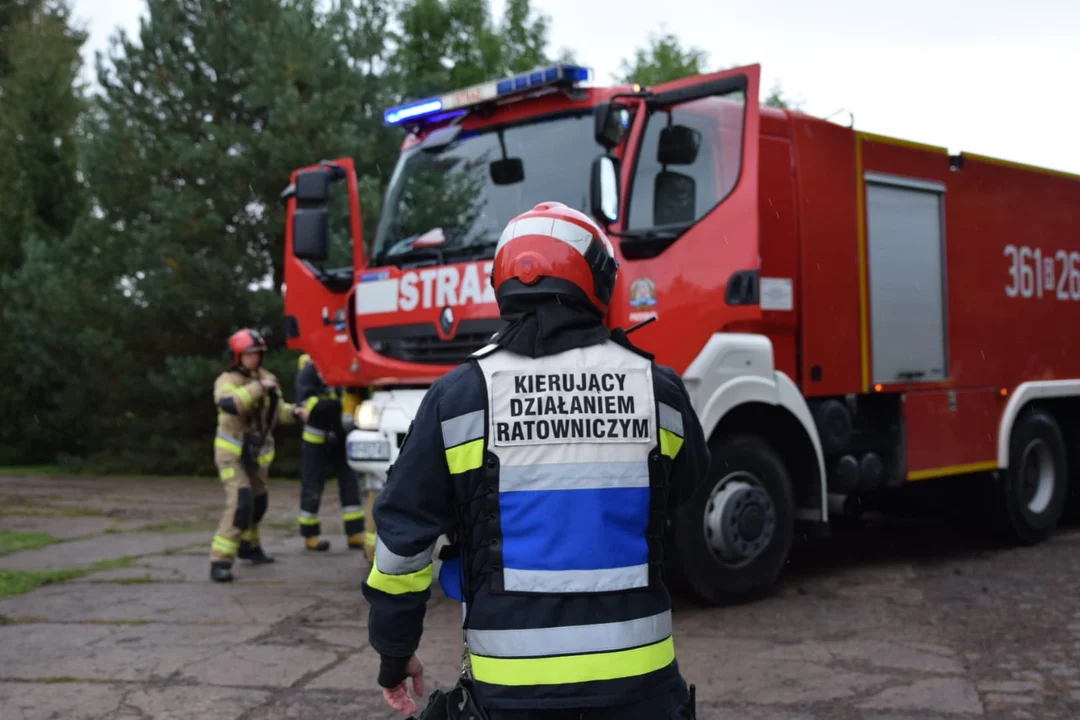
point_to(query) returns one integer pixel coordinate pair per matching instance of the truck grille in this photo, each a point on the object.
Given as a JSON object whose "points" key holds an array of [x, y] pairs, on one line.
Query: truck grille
{"points": [[420, 343]]}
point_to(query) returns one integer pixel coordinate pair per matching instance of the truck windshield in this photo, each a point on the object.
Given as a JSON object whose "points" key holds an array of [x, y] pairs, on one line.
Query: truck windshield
{"points": [[448, 201]]}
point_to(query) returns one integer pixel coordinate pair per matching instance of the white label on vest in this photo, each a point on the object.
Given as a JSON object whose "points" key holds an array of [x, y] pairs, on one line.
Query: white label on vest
{"points": [[570, 406]]}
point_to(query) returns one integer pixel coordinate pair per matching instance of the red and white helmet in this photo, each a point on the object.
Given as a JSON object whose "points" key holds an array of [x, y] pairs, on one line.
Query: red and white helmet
{"points": [[555, 250]]}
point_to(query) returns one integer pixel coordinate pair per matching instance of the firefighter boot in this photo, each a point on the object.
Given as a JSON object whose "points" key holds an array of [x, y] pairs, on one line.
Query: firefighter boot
{"points": [[314, 543], [357, 541], [256, 555], [221, 572]]}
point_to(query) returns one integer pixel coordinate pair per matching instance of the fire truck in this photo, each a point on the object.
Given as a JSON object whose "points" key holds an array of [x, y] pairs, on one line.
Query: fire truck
{"points": [[850, 313]]}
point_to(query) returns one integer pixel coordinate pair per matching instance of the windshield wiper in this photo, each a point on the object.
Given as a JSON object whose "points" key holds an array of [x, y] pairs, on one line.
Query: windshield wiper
{"points": [[412, 254], [663, 232]]}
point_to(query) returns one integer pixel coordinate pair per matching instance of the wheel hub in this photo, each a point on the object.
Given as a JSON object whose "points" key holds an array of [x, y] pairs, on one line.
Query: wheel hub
{"points": [[740, 519]]}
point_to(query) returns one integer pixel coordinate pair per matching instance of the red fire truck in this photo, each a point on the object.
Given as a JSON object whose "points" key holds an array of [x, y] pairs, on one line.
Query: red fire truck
{"points": [[849, 312]]}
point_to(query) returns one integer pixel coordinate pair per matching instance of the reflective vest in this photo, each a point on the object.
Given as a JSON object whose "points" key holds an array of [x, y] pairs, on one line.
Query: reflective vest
{"points": [[572, 435]]}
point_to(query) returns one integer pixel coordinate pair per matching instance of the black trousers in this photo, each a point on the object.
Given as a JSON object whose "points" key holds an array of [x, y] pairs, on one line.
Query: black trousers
{"points": [[672, 706], [316, 457]]}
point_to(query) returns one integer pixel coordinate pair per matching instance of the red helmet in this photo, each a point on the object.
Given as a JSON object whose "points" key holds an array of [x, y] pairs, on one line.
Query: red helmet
{"points": [[245, 340], [555, 250]]}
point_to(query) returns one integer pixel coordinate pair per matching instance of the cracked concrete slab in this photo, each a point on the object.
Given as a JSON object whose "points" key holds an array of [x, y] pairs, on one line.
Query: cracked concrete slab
{"points": [[257, 666], [936, 695], [96, 701], [111, 652], [161, 602]]}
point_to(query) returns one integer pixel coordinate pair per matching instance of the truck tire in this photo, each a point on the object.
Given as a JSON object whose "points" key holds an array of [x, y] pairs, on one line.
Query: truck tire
{"points": [[1032, 491], [733, 535]]}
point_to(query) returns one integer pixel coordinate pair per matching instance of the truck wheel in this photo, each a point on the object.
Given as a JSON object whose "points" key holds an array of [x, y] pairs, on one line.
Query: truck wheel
{"points": [[732, 537], [1032, 491]]}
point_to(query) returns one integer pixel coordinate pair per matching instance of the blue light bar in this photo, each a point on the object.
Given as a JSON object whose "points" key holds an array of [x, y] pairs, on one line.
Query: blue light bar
{"points": [[484, 92]]}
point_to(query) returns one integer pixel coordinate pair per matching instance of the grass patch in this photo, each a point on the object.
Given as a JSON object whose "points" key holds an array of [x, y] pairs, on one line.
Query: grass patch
{"points": [[112, 564], [30, 470], [15, 582], [11, 541]]}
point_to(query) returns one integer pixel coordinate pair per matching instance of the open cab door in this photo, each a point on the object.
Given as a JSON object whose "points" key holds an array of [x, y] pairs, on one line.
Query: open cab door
{"points": [[322, 256], [686, 229]]}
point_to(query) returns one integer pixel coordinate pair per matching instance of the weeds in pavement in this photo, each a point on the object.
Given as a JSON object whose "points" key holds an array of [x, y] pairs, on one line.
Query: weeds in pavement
{"points": [[14, 582], [11, 541]]}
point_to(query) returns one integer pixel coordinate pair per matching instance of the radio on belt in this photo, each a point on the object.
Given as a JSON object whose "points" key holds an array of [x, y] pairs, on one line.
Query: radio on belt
{"points": [[454, 103]]}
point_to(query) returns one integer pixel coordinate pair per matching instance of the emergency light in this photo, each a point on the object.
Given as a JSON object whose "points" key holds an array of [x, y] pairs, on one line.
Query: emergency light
{"points": [[491, 90]]}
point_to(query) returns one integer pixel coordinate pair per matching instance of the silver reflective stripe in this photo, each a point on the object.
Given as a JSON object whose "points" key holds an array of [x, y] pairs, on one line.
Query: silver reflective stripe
{"points": [[671, 419], [463, 428], [351, 509], [315, 431], [574, 476], [308, 515], [390, 563], [230, 438], [576, 581], [571, 639]]}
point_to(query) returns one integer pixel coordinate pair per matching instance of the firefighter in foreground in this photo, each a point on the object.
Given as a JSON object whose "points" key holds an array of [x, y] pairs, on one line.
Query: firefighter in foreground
{"points": [[250, 406], [324, 444], [550, 457]]}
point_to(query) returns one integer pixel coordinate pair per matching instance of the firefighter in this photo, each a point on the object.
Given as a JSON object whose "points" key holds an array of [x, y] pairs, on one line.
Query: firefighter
{"points": [[250, 406], [552, 456], [324, 444]]}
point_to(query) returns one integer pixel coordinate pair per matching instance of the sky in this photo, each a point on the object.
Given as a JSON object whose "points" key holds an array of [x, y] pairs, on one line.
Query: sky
{"points": [[992, 77]]}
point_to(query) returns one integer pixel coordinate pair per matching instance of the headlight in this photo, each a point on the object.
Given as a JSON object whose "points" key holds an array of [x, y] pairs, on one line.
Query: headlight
{"points": [[367, 416]]}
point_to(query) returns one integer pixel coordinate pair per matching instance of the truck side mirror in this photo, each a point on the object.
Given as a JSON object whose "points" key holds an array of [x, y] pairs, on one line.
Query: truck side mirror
{"points": [[311, 235], [609, 124], [313, 186], [604, 188], [678, 145]]}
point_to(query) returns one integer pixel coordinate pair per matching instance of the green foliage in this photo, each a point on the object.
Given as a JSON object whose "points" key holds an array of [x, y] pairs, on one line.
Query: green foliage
{"points": [[662, 61]]}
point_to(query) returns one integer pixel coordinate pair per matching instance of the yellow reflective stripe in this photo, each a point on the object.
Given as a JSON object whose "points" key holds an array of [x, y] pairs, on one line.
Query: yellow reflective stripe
{"points": [[225, 545], [284, 413], [399, 584], [249, 535], [465, 457], [312, 438], [670, 443], [244, 395], [308, 520], [267, 457], [565, 669], [311, 402], [224, 444], [227, 473], [358, 515], [370, 538]]}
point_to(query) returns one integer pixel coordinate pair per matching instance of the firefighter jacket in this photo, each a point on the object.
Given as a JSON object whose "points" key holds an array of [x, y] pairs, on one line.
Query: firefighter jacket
{"points": [[322, 402], [554, 473], [248, 414]]}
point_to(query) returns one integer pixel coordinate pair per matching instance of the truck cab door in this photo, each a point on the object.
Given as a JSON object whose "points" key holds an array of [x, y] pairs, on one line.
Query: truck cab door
{"points": [[687, 230], [324, 250]]}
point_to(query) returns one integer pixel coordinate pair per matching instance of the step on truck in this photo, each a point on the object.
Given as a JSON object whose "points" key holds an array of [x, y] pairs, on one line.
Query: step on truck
{"points": [[849, 312]]}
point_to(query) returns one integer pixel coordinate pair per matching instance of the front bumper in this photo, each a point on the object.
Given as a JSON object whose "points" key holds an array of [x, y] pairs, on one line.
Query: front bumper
{"points": [[371, 451]]}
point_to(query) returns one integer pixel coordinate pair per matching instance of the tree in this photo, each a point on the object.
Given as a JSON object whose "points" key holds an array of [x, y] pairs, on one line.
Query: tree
{"points": [[39, 108], [662, 61], [198, 126], [41, 199]]}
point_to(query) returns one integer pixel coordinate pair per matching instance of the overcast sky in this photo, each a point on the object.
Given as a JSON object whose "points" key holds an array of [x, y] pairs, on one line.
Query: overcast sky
{"points": [[995, 77]]}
